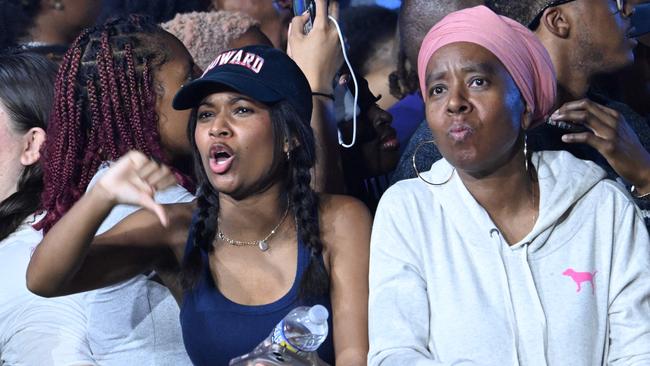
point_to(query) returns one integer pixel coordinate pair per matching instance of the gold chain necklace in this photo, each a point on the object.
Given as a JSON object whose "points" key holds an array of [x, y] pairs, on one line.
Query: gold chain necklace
{"points": [[262, 244]]}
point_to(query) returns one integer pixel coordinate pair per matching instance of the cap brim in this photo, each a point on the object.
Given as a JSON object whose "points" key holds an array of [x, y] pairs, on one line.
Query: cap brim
{"points": [[193, 93]]}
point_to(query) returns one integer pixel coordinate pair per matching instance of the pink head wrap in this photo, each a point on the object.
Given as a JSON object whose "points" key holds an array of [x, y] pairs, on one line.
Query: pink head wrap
{"points": [[518, 49]]}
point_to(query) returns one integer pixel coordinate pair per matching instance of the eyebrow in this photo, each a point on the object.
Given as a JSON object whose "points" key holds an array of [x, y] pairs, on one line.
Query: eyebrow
{"points": [[482, 67], [234, 100], [231, 101], [205, 103]]}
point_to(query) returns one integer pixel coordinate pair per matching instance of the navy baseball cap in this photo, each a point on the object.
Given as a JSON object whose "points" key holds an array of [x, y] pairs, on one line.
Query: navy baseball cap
{"points": [[263, 73]]}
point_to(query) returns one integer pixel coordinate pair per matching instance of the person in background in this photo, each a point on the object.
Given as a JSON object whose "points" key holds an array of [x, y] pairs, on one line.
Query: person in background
{"points": [[632, 84], [33, 330], [497, 255], [273, 16], [208, 34], [158, 10], [370, 34], [366, 165], [113, 93], [44, 26]]}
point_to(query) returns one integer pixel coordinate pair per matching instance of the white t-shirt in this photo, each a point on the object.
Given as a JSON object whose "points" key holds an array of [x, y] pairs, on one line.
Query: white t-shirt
{"points": [[136, 322], [36, 330]]}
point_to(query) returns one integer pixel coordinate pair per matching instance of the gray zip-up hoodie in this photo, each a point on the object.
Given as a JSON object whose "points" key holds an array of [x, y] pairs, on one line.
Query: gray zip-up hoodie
{"points": [[446, 288]]}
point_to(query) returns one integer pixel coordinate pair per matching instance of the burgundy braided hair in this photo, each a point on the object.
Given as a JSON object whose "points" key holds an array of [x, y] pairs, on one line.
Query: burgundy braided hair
{"points": [[104, 106]]}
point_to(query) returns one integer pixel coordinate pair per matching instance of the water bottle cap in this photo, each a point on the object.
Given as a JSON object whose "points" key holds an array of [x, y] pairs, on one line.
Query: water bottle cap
{"points": [[318, 314]]}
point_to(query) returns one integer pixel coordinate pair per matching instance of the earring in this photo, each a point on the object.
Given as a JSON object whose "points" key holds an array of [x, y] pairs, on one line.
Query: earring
{"points": [[416, 168], [526, 150], [58, 5], [287, 148]]}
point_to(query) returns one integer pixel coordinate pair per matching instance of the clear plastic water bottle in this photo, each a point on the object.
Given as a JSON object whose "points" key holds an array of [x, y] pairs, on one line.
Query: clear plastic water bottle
{"points": [[293, 341], [304, 329]]}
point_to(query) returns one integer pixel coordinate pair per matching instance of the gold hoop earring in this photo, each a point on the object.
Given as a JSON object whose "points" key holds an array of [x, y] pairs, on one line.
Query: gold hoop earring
{"points": [[416, 168]]}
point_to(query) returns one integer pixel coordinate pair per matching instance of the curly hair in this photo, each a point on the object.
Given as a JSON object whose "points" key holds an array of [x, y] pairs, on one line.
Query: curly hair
{"points": [[26, 91], [303, 201], [16, 18], [104, 106], [206, 34]]}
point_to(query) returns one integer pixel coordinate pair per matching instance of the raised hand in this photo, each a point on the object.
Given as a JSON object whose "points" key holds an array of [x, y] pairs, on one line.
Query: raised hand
{"points": [[134, 179], [611, 135], [318, 53]]}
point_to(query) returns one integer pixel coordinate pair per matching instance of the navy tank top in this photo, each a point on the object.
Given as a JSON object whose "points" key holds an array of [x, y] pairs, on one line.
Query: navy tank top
{"points": [[216, 329]]}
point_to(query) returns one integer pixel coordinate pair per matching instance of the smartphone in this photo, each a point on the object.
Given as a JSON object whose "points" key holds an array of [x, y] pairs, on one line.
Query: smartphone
{"points": [[567, 126], [300, 7]]}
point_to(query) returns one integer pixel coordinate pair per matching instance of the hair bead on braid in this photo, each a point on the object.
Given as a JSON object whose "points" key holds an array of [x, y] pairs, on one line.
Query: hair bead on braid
{"points": [[104, 106]]}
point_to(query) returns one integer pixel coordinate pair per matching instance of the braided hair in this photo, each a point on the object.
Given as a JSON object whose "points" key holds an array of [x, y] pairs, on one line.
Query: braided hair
{"points": [[16, 19], [104, 106], [26, 90], [296, 171]]}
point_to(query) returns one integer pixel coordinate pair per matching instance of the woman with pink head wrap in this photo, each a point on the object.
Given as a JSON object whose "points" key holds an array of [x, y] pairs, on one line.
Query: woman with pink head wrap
{"points": [[498, 255]]}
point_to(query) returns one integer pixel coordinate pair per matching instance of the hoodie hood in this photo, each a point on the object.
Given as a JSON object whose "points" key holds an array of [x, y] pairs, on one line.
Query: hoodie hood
{"points": [[563, 181]]}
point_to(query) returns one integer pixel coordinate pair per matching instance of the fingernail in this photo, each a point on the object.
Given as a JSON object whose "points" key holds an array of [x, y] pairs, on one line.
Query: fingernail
{"points": [[555, 114], [566, 138]]}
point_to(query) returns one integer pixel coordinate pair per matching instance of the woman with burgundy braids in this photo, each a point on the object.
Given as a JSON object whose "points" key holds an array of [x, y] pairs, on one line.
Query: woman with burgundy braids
{"points": [[113, 94], [259, 240]]}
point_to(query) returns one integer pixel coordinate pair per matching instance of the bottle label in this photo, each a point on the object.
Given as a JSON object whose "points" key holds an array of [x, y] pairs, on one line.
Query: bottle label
{"points": [[278, 337]]}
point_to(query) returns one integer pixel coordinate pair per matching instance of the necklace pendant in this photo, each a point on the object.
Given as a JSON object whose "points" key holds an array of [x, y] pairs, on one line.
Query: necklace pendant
{"points": [[263, 245]]}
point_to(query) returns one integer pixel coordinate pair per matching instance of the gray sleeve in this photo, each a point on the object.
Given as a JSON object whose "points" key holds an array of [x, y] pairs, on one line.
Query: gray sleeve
{"points": [[629, 295], [398, 314]]}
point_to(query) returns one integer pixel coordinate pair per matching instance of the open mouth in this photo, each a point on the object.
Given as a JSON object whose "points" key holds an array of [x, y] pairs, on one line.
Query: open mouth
{"points": [[388, 140], [221, 158]]}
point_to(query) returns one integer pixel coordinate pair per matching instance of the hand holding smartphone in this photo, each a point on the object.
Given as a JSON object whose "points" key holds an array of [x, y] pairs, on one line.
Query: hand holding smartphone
{"points": [[567, 126], [302, 6]]}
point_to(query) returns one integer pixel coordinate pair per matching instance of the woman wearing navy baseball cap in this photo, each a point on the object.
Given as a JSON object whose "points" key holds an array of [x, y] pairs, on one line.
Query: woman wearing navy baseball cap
{"points": [[257, 242]]}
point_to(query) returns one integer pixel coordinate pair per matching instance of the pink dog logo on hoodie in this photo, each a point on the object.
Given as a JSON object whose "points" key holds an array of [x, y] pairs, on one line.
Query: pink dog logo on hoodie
{"points": [[580, 277]]}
